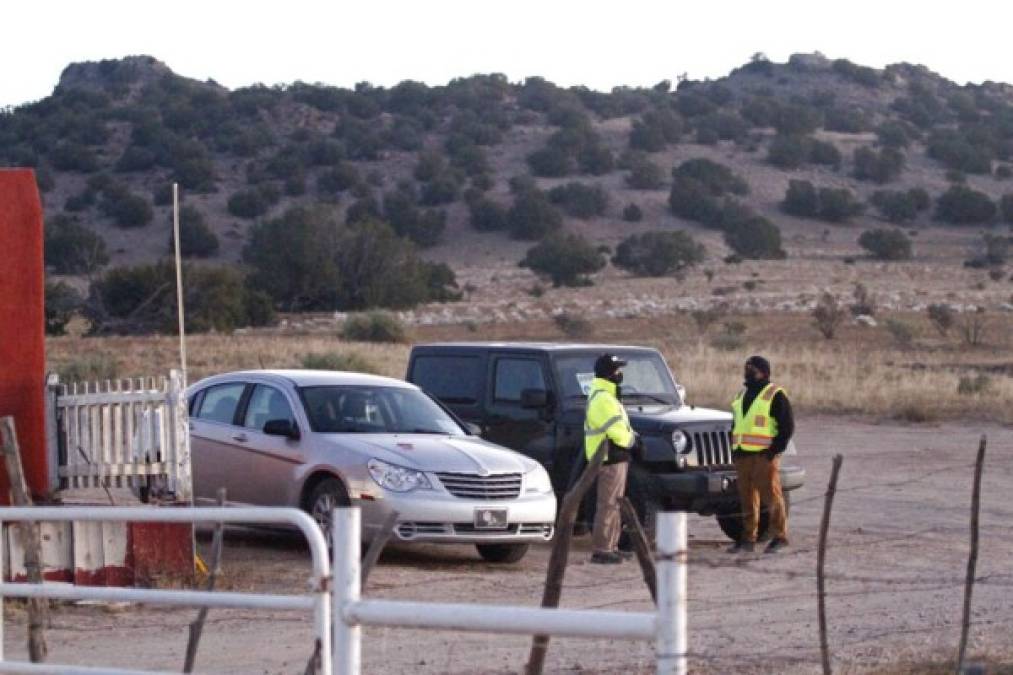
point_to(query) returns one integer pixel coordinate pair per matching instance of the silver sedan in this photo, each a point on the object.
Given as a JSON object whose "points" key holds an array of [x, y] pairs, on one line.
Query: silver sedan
{"points": [[319, 439]]}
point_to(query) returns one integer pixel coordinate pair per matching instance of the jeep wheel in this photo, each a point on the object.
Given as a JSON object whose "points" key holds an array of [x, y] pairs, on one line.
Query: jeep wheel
{"points": [[730, 520], [502, 553]]}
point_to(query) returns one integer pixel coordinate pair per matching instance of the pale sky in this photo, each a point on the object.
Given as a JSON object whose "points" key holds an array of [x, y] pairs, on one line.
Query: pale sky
{"points": [[590, 42]]}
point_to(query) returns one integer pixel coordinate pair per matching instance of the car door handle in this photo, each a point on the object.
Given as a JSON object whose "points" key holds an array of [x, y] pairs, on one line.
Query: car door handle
{"points": [[240, 437]]}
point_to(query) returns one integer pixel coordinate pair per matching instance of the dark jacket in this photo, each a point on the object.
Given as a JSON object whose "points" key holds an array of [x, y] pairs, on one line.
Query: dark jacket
{"points": [[780, 410]]}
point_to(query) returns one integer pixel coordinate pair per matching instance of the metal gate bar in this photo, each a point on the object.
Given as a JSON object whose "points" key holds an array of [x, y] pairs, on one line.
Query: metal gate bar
{"points": [[319, 602]]}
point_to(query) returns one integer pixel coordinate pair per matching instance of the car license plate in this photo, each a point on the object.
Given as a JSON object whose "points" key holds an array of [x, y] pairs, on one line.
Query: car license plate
{"points": [[490, 519]]}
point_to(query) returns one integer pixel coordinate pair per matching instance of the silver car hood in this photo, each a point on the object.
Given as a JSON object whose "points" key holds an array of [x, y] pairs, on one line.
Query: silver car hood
{"points": [[429, 452]]}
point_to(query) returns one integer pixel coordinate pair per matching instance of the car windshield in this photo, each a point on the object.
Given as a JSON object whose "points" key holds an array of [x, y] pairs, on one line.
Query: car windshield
{"points": [[646, 378], [375, 410]]}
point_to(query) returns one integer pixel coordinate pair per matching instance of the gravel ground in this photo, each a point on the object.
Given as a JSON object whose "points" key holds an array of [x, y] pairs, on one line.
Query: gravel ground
{"points": [[896, 565]]}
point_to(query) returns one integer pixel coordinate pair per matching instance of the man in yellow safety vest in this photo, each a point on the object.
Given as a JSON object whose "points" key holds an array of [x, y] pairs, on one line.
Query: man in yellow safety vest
{"points": [[762, 425], [607, 429]]}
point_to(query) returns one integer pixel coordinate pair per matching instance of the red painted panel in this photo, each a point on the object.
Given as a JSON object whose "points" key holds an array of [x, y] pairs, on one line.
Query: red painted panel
{"points": [[160, 551], [22, 319]]}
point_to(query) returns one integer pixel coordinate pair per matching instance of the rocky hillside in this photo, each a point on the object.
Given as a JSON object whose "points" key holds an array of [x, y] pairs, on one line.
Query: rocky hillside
{"points": [[444, 165]]}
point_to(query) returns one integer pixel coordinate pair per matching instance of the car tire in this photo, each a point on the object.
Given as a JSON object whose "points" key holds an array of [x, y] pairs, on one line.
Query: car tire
{"points": [[502, 553], [329, 494], [730, 520]]}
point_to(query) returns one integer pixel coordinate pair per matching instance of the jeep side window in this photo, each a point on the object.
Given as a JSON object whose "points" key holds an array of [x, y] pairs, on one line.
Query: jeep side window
{"points": [[513, 376], [452, 379]]}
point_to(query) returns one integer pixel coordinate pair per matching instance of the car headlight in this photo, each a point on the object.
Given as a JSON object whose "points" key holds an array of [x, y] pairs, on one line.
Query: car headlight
{"points": [[680, 441], [537, 481], [397, 478]]}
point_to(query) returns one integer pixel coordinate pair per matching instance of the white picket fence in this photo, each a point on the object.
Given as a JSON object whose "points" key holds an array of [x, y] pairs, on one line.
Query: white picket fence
{"points": [[121, 433]]}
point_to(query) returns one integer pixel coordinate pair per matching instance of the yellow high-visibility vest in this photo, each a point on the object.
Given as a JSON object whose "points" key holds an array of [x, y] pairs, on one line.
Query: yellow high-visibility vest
{"points": [[605, 418], [754, 430]]}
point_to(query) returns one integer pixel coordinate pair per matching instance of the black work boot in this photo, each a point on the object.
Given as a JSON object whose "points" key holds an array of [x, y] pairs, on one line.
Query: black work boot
{"points": [[606, 558], [741, 547], [776, 545]]}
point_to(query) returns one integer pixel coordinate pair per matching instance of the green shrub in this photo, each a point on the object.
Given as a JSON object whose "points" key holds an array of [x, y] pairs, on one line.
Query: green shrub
{"points": [[125, 208], [879, 167], [721, 126], [863, 75], [801, 199], [899, 207], [756, 238], [849, 120], [893, 135], [1006, 208], [248, 204], [691, 199], [142, 299], [62, 303], [838, 204], [656, 254], [797, 119], [350, 362], [196, 239], [487, 215], [942, 317], [961, 205], [580, 200], [824, 153], [655, 130], [718, 178], [886, 244], [632, 213], [72, 248], [374, 327], [788, 152], [551, 162], [71, 156], [595, 159], [565, 258], [532, 216], [573, 326], [645, 175], [337, 179], [954, 150]]}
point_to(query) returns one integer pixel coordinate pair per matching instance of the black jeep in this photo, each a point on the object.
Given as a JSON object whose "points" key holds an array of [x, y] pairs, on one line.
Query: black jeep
{"points": [[531, 397]]}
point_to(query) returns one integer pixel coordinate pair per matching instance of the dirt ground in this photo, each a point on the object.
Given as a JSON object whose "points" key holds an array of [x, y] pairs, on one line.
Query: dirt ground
{"points": [[896, 566]]}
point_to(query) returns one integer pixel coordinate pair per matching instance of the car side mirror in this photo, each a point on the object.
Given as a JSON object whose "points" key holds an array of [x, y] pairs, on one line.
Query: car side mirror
{"points": [[473, 428], [534, 399], [286, 428]]}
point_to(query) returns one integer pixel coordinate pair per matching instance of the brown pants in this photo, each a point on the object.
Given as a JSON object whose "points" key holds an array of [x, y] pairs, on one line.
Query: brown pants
{"points": [[759, 481], [607, 521]]}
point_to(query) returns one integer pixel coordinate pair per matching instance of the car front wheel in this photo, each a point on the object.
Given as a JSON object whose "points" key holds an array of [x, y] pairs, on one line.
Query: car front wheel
{"points": [[328, 495], [502, 553]]}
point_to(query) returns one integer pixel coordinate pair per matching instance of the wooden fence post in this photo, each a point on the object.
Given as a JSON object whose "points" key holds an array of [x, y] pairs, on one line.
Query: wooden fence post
{"points": [[560, 555], [30, 540], [821, 556], [972, 558], [640, 546], [197, 626]]}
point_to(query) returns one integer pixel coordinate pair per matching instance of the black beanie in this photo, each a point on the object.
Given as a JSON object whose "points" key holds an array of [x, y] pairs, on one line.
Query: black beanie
{"points": [[760, 363]]}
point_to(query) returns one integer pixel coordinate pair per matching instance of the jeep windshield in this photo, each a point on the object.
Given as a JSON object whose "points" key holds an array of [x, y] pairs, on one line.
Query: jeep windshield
{"points": [[375, 410], [646, 378]]}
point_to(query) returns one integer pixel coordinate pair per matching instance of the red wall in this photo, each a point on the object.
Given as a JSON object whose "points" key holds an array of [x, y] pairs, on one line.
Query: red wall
{"points": [[22, 319]]}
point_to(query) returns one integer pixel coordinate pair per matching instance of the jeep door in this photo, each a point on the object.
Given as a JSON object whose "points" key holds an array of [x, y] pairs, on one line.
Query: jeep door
{"points": [[507, 422]]}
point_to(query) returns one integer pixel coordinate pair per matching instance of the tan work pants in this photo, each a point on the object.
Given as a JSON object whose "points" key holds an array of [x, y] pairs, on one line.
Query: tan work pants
{"points": [[759, 480], [607, 521]]}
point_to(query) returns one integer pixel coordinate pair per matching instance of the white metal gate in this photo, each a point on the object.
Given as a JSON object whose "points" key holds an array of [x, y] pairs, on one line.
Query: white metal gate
{"points": [[121, 433]]}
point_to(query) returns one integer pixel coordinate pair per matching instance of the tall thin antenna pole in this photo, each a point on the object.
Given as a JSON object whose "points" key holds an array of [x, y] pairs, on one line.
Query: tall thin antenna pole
{"points": [[179, 280]]}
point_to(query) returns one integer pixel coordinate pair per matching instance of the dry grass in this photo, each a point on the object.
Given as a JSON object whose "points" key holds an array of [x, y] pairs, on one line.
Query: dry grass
{"points": [[862, 372]]}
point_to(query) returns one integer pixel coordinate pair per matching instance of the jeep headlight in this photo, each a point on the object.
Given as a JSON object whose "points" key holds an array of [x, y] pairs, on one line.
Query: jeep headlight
{"points": [[680, 441], [537, 481], [397, 478]]}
